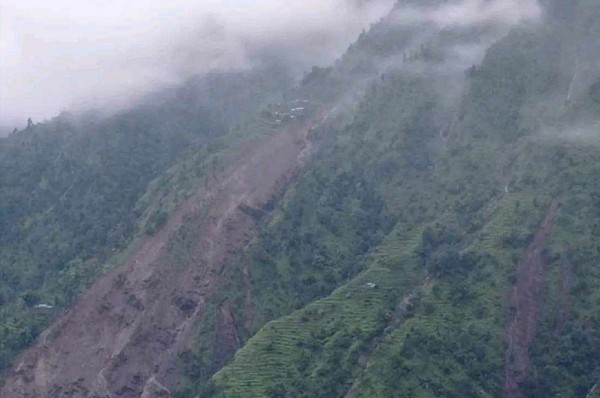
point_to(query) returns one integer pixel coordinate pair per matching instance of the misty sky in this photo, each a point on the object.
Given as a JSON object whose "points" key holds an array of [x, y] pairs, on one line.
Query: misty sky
{"points": [[70, 54]]}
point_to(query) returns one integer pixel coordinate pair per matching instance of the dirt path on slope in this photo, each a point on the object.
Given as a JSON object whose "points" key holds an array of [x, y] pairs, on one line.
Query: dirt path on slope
{"points": [[123, 336], [524, 302]]}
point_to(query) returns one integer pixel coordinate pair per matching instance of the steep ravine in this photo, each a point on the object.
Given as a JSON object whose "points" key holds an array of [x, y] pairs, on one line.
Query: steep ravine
{"points": [[123, 336]]}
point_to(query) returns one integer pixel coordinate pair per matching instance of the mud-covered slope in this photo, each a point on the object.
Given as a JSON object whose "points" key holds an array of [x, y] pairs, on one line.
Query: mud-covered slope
{"points": [[525, 304], [123, 335], [76, 190]]}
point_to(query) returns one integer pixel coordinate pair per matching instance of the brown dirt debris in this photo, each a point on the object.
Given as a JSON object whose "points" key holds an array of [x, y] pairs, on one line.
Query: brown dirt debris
{"points": [[525, 305], [123, 336]]}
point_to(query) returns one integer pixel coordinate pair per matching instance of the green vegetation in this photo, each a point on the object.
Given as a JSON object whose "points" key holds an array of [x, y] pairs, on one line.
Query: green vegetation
{"points": [[78, 191], [387, 267], [68, 203], [427, 314]]}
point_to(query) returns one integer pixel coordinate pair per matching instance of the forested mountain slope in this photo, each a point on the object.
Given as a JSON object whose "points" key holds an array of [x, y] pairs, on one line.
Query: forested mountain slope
{"points": [[77, 191], [469, 287], [420, 219]]}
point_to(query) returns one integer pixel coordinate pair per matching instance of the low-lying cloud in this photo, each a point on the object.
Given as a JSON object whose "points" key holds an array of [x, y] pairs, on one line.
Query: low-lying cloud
{"points": [[73, 53], [471, 12]]}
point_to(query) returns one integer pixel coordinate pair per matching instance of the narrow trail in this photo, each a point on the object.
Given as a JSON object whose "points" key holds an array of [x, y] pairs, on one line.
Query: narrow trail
{"points": [[573, 79], [525, 304], [123, 337], [105, 383], [592, 391]]}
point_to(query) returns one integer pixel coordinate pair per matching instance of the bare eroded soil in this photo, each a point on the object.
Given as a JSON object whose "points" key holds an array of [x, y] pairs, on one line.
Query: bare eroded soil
{"points": [[123, 336], [525, 304]]}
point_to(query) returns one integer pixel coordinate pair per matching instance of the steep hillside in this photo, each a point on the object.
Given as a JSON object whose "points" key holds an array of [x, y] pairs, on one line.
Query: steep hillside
{"points": [[79, 191], [68, 201], [460, 298], [130, 326], [419, 219]]}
